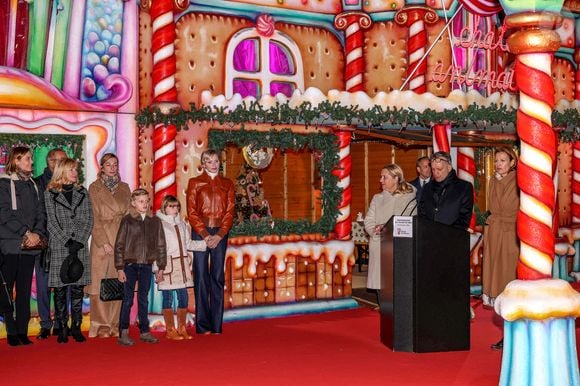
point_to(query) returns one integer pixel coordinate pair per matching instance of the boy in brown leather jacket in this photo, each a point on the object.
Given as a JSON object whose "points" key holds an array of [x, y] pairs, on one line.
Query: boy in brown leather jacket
{"points": [[140, 242]]}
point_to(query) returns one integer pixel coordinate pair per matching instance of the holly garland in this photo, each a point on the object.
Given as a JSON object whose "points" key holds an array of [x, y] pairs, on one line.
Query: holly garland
{"points": [[327, 113], [64, 141], [287, 140]]}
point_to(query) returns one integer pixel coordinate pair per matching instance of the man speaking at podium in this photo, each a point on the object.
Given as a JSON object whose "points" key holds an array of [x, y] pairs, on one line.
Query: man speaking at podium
{"points": [[446, 199]]}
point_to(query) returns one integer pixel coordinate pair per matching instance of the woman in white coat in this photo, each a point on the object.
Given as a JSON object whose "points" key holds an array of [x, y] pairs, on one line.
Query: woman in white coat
{"points": [[396, 199], [177, 276]]}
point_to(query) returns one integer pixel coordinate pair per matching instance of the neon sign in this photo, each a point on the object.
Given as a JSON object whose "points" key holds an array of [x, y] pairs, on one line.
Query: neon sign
{"points": [[473, 38]]}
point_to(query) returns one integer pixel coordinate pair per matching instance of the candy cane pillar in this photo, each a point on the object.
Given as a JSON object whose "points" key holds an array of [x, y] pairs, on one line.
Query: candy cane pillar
{"points": [[466, 172], [442, 138], [353, 23], [539, 313], [576, 201], [343, 225], [165, 97], [577, 59], [414, 18]]}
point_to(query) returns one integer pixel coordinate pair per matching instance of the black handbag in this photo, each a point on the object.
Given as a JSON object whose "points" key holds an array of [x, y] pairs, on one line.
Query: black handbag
{"points": [[111, 289]]}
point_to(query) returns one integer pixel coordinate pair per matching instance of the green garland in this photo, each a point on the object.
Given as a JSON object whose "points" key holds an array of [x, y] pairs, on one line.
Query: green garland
{"points": [[287, 140], [327, 113], [65, 141]]}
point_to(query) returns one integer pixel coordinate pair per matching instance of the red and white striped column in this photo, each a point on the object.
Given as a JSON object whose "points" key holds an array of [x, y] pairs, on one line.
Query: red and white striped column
{"points": [[466, 171], [536, 165], [414, 18], [576, 183], [165, 97], [353, 23], [343, 226], [442, 137]]}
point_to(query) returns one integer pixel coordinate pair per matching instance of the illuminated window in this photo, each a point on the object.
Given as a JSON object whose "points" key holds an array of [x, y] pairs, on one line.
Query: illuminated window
{"points": [[258, 65]]}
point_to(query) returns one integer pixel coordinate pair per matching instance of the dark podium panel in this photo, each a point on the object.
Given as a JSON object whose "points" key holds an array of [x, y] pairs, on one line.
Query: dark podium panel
{"points": [[424, 297]]}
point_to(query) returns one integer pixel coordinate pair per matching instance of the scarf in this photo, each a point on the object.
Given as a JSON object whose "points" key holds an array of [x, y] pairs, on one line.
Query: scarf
{"points": [[24, 176], [110, 183]]}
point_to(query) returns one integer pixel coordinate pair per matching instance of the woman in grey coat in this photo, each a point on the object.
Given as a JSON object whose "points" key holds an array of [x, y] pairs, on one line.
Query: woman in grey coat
{"points": [[69, 223]]}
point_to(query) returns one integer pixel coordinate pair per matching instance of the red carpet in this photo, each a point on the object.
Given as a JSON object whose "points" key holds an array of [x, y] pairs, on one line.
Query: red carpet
{"points": [[335, 348]]}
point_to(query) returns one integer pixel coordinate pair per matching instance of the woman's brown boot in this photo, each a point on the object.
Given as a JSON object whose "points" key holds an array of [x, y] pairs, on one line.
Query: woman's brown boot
{"points": [[170, 331], [182, 322]]}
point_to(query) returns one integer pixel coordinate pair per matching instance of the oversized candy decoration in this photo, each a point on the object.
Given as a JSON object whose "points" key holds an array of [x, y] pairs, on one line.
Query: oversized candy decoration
{"points": [[442, 138], [164, 92], [466, 172], [482, 7], [343, 225], [353, 23], [414, 18]]}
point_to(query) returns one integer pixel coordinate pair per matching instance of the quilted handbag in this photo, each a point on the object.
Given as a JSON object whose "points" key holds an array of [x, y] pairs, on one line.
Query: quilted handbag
{"points": [[111, 289]]}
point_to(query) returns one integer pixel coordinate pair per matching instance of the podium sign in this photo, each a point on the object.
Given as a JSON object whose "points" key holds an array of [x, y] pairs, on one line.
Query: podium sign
{"points": [[424, 296]]}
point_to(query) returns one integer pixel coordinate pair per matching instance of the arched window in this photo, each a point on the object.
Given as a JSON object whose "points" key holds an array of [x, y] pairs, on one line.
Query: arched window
{"points": [[259, 65]]}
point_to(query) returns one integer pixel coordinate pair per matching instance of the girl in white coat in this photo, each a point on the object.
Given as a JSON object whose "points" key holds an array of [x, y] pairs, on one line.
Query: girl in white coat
{"points": [[177, 276]]}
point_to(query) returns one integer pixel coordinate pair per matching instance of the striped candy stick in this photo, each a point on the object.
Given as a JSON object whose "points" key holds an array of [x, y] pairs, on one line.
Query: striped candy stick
{"points": [[442, 137], [466, 171], [414, 18], [576, 183], [343, 226], [353, 23], [164, 95], [536, 166]]}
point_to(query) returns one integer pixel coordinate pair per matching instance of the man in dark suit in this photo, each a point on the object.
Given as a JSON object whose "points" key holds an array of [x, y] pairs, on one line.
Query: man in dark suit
{"points": [[446, 199], [424, 175]]}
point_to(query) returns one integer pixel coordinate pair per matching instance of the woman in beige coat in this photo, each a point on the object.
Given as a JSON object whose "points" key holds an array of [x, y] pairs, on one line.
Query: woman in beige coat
{"points": [[111, 199], [397, 198], [500, 242]]}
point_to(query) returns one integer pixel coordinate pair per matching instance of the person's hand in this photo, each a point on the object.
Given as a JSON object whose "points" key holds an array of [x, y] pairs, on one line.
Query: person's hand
{"points": [[213, 241], [108, 249], [159, 276], [121, 276], [378, 229], [32, 239]]}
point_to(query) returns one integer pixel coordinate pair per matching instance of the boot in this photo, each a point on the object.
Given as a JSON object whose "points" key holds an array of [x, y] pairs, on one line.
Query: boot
{"points": [[61, 311], [125, 339], [76, 300], [170, 331], [182, 322]]}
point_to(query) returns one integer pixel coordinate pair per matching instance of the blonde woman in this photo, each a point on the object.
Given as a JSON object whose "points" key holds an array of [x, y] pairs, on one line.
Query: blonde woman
{"points": [[69, 223], [396, 198], [111, 199]]}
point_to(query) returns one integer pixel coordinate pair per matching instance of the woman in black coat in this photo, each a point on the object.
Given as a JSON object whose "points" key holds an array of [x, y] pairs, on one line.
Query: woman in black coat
{"points": [[22, 223], [69, 222]]}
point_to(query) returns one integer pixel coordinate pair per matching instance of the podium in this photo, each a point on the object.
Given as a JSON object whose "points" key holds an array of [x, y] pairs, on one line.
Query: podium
{"points": [[424, 296]]}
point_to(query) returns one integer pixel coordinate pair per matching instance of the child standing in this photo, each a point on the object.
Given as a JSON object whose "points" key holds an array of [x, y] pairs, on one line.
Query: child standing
{"points": [[177, 275], [140, 242]]}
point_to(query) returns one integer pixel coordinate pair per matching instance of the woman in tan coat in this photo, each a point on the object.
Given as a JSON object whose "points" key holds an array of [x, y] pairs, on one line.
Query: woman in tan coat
{"points": [[397, 198], [500, 242], [111, 199]]}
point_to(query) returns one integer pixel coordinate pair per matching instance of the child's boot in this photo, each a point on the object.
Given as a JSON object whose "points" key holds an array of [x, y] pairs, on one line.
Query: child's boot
{"points": [[170, 331], [124, 339], [182, 322]]}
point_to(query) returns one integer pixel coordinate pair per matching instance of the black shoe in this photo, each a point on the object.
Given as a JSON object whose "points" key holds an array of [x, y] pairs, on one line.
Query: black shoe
{"points": [[23, 338], [13, 340], [44, 333], [498, 345], [76, 333], [55, 331]]}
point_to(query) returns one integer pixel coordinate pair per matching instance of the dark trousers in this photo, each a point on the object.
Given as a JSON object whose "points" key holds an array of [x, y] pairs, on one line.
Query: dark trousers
{"points": [[140, 273], [208, 279], [42, 295], [17, 271]]}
